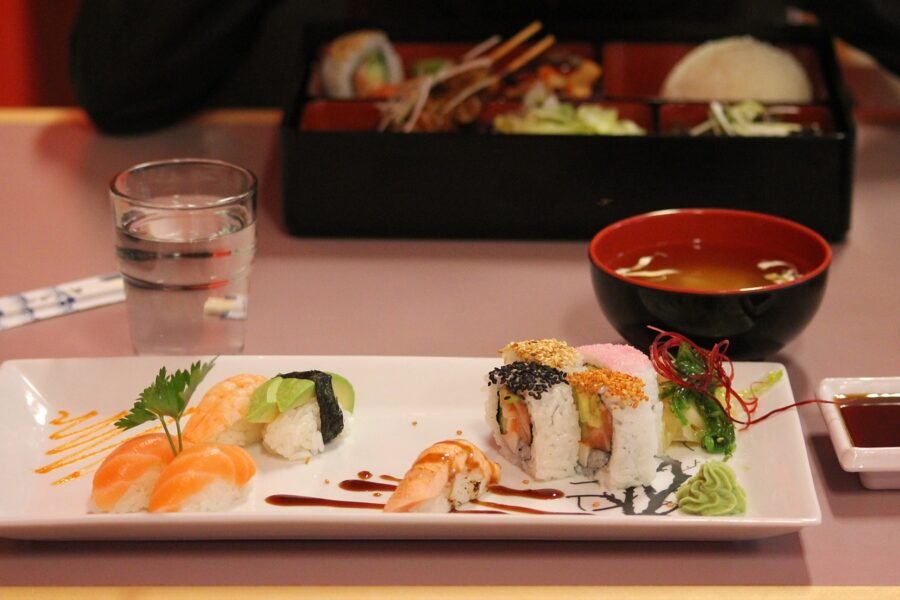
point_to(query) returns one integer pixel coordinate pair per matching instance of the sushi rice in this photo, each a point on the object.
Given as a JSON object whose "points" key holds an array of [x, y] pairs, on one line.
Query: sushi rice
{"points": [[296, 434]]}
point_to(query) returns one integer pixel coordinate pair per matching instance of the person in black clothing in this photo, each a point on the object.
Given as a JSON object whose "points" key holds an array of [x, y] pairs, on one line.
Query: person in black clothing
{"points": [[138, 65]]}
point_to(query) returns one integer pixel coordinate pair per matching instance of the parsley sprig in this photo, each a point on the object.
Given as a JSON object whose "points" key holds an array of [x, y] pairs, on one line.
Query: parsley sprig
{"points": [[167, 396]]}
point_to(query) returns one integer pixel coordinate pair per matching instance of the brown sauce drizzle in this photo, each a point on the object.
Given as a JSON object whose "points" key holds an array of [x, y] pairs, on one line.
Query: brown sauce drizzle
{"points": [[289, 500], [364, 475], [524, 509], [535, 494], [492, 508], [359, 485]]}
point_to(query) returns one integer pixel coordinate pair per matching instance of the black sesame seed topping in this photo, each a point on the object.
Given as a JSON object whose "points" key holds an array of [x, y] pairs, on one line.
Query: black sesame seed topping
{"points": [[527, 377]]}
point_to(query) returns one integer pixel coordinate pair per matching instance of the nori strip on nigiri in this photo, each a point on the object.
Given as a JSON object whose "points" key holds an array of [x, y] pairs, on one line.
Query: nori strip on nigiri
{"points": [[330, 416]]}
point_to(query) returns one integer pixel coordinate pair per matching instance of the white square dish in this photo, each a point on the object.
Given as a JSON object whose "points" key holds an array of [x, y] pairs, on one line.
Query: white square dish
{"points": [[878, 468]]}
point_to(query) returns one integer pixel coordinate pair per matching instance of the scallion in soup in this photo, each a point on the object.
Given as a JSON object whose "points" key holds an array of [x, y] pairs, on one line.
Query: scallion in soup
{"points": [[707, 267]]}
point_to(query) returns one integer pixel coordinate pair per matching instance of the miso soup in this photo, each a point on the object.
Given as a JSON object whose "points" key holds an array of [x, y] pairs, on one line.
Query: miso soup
{"points": [[708, 267]]}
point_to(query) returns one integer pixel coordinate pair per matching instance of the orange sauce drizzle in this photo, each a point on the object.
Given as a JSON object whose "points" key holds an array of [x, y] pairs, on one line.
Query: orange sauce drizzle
{"points": [[87, 442]]}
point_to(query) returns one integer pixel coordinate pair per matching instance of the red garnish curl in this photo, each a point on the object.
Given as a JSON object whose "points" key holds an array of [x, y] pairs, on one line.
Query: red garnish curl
{"points": [[719, 370]]}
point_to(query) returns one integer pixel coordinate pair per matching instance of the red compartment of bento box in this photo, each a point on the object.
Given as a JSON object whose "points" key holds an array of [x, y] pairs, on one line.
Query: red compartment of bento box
{"points": [[340, 115], [680, 118], [355, 115], [638, 70]]}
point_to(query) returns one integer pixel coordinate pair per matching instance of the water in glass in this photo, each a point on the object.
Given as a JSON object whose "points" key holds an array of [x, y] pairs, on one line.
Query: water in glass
{"points": [[187, 278]]}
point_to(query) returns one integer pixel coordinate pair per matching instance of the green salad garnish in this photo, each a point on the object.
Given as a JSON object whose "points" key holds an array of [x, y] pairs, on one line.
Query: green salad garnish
{"points": [[715, 431]]}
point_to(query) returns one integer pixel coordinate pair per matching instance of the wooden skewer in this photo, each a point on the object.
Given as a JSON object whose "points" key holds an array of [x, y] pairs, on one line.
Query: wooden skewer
{"points": [[466, 93], [516, 64], [527, 56], [514, 41], [482, 47]]}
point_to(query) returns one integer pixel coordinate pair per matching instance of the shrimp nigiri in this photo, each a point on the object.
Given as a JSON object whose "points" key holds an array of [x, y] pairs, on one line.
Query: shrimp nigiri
{"points": [[203, 477], [444, 476], [126, 477], [219, 417]]}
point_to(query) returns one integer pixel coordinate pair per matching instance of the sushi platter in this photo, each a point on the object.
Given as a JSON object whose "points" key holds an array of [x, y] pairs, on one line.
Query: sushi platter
{"points": [[58, 427], [612, 137]]}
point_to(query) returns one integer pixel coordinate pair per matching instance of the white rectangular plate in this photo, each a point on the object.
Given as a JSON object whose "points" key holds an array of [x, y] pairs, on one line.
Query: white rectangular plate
{"points": [[403, 405]]}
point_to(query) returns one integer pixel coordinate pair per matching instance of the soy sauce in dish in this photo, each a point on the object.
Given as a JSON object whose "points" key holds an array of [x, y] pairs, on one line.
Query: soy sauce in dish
{"points": [[873, 420]]}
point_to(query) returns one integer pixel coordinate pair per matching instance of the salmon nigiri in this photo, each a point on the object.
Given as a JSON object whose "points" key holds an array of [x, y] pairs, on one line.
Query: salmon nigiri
{"points": [[125, 479], [204, 477], [444, 476], [219, 417]]}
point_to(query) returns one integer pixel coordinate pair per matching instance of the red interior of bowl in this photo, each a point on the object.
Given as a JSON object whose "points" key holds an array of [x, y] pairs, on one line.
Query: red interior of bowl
{"points": [[804, 247], [637, 70]]}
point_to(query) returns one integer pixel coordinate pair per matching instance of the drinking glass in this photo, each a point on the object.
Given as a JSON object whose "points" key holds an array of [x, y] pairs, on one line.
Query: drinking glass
{"points": [[185, 242]]}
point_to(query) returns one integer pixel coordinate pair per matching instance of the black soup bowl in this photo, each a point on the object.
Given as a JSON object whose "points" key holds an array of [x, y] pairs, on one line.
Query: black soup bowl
{"points": [[757, 320]]}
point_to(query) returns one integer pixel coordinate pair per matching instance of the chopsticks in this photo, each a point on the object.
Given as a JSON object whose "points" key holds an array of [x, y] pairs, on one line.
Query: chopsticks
{"points": [[62, 299]]}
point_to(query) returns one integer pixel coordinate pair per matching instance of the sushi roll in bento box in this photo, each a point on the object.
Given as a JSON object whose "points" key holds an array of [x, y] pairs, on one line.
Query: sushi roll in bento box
{"points": [[359, 64]]}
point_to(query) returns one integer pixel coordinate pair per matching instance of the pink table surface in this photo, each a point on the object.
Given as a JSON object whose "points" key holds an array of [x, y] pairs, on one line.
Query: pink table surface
{"points": [[443, 298]]}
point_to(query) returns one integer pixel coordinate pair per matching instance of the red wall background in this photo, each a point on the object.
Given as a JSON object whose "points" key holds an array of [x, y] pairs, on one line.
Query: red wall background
{"points": [[34, 47]]}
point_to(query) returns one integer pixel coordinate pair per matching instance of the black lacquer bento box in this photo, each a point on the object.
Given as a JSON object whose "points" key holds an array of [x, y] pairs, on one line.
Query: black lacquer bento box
{"points": [[342, 177]]}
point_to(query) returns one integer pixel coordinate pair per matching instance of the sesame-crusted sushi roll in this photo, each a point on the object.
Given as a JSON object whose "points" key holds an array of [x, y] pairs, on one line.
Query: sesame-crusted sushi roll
{"points": [[631, 361], [533, 418], [550, 352], [619, 440]]}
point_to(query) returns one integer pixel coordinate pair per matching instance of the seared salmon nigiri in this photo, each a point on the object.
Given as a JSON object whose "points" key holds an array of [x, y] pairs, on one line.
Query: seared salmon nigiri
{"points": [[444, 476]]}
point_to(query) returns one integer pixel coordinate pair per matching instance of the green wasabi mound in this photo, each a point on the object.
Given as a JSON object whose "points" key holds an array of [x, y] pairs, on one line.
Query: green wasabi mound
{"points": [[713, 491]]}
